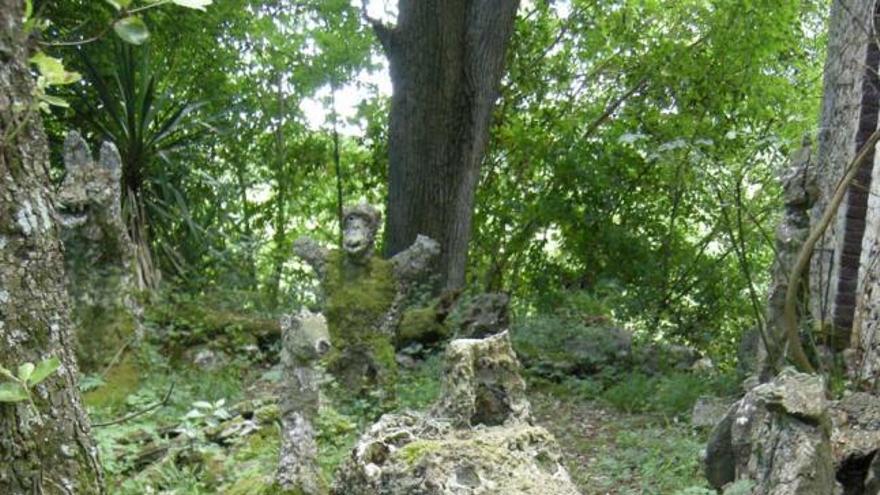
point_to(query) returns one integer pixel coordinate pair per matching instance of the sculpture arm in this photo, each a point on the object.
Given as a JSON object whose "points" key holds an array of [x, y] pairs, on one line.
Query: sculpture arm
{"points": [[312, 253], [415, 260]]}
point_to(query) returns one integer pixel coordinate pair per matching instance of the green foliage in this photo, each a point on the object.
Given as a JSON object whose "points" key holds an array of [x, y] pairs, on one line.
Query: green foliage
{"points": [[671, 394], [29, 375]]}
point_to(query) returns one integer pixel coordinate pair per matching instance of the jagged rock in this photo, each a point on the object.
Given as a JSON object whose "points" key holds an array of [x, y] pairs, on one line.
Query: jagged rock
{"points": [[485, 315], [709, 411], [778, 437], [476, 440], [482, 384], [304, 340], [98, 253]]}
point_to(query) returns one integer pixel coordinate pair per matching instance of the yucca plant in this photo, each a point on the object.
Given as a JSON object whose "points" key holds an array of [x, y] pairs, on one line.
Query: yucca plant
{"points": [[151, 126]]}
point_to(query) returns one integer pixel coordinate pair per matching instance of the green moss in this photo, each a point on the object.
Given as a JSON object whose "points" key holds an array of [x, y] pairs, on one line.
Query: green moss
{"points": [[120, 381], [414, 452], [358, 297], [421, 325]]}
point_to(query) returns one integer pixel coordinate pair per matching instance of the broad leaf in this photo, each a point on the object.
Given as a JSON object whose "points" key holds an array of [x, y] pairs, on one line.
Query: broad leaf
{"points": [[132, 30], [12, 392], [43, 370], [25, 371], [52, 69], [193, 4]]}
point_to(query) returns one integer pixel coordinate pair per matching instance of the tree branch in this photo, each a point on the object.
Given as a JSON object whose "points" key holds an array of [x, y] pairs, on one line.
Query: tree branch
{"points": [[384, 32]]}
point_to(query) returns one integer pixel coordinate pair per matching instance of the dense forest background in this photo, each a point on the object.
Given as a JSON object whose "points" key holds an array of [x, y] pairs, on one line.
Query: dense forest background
{"points": [[627, 202], [631, 168]]}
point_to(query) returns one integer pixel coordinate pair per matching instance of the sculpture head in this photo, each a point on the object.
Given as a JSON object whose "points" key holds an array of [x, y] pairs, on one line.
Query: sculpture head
{"points": [[89, 187], [360, 224], [305, 336]]}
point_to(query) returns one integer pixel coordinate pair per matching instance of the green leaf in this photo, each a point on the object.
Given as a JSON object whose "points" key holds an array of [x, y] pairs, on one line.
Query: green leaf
{"points": [[43, 370], [193, 4], [25, 371], [12, 392], [119, 4], [52, 69], [5, 372], [55, 101], [132, 30]]}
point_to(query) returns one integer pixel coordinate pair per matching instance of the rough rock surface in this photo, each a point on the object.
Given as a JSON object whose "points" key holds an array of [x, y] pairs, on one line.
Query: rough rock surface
{"points": [[99, 255], [778, 437], [799, 194], [304, 341], [485, 315], [476, 441]]}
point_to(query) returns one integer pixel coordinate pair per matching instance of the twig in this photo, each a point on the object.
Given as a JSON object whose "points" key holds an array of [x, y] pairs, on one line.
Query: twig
{"points": [[143, 411], [790, 319]]}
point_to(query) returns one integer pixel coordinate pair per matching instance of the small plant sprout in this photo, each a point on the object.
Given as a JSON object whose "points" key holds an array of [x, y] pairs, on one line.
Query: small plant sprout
{"points": [[18, 388]]}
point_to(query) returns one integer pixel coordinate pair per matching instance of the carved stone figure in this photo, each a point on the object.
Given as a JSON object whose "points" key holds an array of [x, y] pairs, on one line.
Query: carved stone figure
{"points": [[477, 440], [304, 340], [99, 255], [364, 297]]}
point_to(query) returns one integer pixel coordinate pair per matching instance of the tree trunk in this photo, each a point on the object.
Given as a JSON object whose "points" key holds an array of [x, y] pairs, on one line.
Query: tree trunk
{"points": [[447, 59], [44, 447]]}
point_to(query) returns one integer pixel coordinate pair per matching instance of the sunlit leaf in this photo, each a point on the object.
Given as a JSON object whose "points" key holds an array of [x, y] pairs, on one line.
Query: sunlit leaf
{"points": [[193, 4], [12, 392], [132, 30], [25, 371], [52, 69], [43, 370]]}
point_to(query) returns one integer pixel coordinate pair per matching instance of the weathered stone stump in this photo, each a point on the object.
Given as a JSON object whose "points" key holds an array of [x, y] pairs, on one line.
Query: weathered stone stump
{"points": [[477, 440], [304, 340], [364, 297], [778, 437], [99, 255]]}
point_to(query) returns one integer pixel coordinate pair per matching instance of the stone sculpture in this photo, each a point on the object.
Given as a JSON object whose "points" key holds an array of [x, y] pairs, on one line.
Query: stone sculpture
{"points": [[99, 255], [304, 340]]}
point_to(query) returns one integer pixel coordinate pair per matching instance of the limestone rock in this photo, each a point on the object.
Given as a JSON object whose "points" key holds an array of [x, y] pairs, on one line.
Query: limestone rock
{"points": [[778, 437], [482, 384], [477, 440], [485, 315], [709, 411]]}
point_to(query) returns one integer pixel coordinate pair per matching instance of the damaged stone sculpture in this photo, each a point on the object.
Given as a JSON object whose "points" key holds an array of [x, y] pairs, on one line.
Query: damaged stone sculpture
{"points": [[364, 297], [99, 255], [304, 340]]}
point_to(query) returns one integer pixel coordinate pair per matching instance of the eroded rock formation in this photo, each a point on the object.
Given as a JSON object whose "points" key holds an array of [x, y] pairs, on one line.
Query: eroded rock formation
{"points": [[477, 440], [778, 437], [99, 255]]}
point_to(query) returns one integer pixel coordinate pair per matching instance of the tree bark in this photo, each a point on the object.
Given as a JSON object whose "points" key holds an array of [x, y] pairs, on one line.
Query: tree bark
{"points": [[447, 59], [44, 447]]}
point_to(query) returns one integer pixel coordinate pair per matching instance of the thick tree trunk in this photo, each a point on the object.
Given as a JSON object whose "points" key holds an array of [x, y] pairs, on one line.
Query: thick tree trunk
{"points": [[447, 59], [45, 447]]}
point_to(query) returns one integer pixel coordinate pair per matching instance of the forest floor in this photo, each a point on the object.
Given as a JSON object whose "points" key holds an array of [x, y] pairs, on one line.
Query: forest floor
{"points": [[176, 448]]}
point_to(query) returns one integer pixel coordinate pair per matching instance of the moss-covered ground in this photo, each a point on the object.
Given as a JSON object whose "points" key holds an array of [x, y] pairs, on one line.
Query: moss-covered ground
{"points": [[182, 446]]}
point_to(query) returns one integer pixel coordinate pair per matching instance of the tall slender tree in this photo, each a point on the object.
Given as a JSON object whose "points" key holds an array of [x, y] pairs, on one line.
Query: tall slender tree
{"points": [[446, 59], [45, 446]]}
